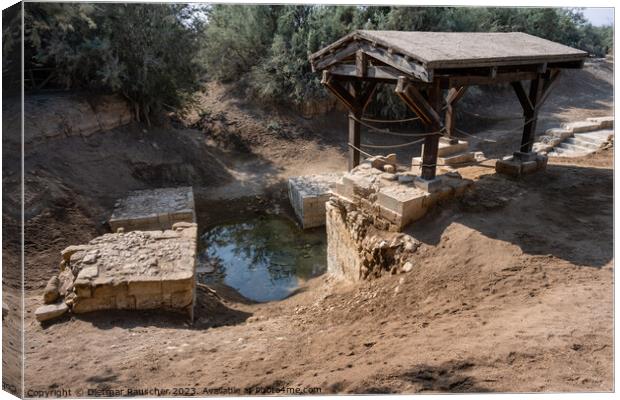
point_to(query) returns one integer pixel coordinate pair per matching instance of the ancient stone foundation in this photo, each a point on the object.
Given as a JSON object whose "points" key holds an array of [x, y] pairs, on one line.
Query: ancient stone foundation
{"points": [[451, 154], [357, 248], [369, 209], [156, 209], [521, 164], [396, 199], [308, 195], [127, 271]]}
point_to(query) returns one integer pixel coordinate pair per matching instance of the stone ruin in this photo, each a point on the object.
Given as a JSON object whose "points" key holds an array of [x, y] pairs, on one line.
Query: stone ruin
{"points": [[451, 154], [308, 195], [149, 262], [155, 209], [126, 271], [370, 207]]}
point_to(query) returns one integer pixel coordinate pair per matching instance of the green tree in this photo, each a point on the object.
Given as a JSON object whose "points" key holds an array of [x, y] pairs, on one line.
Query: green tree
{"points": [[146, 52]]}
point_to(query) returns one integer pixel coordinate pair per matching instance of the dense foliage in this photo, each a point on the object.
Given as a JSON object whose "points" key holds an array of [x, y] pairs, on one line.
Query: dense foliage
{"points": [[146, 52], [157, 54]]}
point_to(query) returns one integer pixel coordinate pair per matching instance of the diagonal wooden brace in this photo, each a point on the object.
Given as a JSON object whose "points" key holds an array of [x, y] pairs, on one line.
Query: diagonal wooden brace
{"points": [[454, 95], [356, 98], [528, 107], [429, 116], [339, 91], [417, 103], [549, 83]]}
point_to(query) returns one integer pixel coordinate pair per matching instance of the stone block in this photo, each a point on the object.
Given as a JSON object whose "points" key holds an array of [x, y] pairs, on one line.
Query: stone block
{"points": [[50, 311], [181, 299], [125, 302], [308, 195], [134, 270], [107, 288], [141, 287], [428, 185], [149, 301], [514, 167], [604, 122], [528, 167], [416, 168], [93, 304], [379, 162], [509, 167], [156, 209], [458, 185], [343, 258], [446, 148]]}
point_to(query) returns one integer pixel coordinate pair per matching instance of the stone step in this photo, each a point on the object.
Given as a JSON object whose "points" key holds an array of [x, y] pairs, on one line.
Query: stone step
{"points": [[582, 143], [575, 148], [458, 158], [563, 152], [581, 126], [604, 122], [596, 137], [446, 149]]}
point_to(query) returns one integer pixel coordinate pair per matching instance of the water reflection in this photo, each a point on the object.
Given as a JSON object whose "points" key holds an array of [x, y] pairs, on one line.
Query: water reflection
{"points": [[264, 258]]}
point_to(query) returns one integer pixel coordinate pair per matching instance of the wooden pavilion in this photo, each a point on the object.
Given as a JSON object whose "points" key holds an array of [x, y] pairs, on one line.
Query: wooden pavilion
{"points": [[424, 64]]}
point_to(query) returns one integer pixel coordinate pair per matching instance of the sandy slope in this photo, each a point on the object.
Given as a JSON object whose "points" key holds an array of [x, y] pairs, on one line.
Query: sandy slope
{"points": [[514, 294]]}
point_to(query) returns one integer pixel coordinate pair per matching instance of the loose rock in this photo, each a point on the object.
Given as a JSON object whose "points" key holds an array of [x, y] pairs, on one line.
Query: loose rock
{"points": [[50, 311], [407, 267], [66, 279], [51, 293]]}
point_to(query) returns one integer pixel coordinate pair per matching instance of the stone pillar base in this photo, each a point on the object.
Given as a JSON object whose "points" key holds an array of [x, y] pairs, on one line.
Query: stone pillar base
{"points": [[521, 164]]}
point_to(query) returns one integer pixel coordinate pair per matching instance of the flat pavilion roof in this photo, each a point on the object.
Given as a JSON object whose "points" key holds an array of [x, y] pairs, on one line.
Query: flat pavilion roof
{"points": [[459, 49]]}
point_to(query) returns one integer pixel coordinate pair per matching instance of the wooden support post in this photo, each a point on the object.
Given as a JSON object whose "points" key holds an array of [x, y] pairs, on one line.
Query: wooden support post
{"points": [[355, 114], [454, 95], [431, 143], [530, 111], [354, 139], [540, 87], [428, 111], [356, 99]]}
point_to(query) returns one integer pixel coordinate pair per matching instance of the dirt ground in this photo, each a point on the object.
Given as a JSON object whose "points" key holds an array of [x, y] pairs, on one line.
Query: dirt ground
{"points": [[512, 289]]}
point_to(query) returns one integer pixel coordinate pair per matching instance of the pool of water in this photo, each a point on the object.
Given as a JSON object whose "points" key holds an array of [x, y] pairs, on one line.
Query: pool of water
{"points": [[264, 258]]}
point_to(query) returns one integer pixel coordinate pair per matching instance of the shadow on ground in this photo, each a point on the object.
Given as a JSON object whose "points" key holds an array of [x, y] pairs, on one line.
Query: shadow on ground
{"points": [[449, 377], [566, 212], [211, 311]]}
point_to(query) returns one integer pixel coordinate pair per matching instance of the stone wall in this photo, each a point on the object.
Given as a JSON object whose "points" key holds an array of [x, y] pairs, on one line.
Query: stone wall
{"points": [[126, 271], [358, 248], [371, 205], [308, 195], [51, 116]]}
